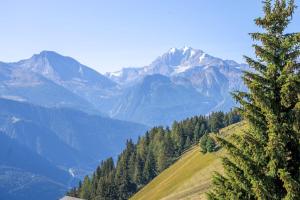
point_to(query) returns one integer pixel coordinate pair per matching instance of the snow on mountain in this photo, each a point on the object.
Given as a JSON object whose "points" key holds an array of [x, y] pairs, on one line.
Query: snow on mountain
{"points": [[50, 79], [173, 63], [53, 80], [186, 67], [185, 62], [126, 75], [181, 69], [64, 70]]}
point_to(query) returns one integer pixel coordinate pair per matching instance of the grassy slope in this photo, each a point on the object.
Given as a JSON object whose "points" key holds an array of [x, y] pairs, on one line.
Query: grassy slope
{"points": [[190, 176]]}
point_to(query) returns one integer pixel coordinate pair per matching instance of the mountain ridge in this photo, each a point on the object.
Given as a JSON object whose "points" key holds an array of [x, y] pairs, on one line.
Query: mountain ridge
{"points": [[52, 80], [175, 58], [54, 147], [209, 79]]}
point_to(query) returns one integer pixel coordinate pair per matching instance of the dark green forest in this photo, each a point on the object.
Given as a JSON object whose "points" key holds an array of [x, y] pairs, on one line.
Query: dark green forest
{"points": [[140, 162]]}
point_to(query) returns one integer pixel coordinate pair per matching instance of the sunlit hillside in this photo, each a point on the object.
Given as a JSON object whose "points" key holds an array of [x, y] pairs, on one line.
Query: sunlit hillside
{"points": [[190, 176]]}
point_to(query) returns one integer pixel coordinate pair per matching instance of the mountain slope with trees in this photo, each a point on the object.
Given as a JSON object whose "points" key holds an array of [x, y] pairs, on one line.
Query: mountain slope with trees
{"points": [[139, 163], [191, 175]]}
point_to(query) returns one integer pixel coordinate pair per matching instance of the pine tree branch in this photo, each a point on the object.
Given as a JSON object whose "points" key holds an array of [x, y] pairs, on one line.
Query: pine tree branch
{"points": [[256, 64]]}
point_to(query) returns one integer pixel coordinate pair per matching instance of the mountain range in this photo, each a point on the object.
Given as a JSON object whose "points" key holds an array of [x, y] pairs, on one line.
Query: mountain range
{"points": [[64, 117], [178, 84], [50, 149]]}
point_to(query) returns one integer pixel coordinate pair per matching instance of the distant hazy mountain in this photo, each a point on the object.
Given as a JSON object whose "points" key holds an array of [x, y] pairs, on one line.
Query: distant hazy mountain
{"points": [[175, 62], [156, 99], [54, 145], [190, 82], [26, 175], [53, 80], [194, 83]]}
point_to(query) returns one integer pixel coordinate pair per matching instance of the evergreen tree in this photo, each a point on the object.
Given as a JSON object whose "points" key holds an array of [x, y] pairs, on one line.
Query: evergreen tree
{"points": [[169, 148], [138, 172], [210, 144], [197, 132], [86, 188], [165, 153], [107, 189], [178, 136], [126, 187], [188, 143], [200, 129], [207, 144], [232, 117], [202, 143], [142, 148], [150, 168], [216, 121], [264, 162]]}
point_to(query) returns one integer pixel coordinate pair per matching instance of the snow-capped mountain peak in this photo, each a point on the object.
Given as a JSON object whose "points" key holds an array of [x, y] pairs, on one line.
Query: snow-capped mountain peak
{"points": [[189, 51], [184, 51], [186, 48], [175, 83], [202, 57], [212, 77], [116, 73], [172, 50]]}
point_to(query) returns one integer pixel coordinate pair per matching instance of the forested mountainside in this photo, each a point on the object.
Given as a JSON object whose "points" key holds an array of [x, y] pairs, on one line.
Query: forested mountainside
{"points": [[190, 177], [140, 162]]}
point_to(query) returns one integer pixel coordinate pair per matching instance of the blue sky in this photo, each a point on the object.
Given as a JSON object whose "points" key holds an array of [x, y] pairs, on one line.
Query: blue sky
{"points": [[109, 34]]}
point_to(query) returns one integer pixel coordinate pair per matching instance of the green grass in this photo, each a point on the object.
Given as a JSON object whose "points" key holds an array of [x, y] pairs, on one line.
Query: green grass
{"points": [[190, 176]]}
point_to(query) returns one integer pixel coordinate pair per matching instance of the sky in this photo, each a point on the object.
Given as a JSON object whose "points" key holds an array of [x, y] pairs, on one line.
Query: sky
{"points": [[108, 35]]}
